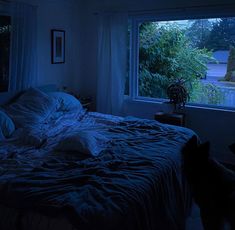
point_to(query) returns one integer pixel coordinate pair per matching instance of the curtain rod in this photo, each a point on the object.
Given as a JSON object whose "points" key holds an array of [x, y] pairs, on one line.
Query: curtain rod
{"points": [[185, 8], [230, 6]]}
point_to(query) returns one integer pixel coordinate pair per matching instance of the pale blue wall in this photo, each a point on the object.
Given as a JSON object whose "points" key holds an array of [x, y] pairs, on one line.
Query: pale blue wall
{"points": [[57, 14]]}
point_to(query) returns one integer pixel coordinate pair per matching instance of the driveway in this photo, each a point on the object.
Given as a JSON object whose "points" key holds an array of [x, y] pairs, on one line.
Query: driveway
{"points": [[216, 71]]}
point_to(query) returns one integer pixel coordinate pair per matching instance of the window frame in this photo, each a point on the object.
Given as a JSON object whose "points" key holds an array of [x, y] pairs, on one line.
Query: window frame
{"points": [[167, 15]]}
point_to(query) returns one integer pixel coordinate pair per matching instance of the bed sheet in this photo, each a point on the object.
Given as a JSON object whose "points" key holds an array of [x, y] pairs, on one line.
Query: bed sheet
{"points": [[135, 183]]}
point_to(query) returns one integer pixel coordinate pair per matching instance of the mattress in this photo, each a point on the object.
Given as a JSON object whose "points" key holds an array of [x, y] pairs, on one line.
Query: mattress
{"points": [[136, 182]]}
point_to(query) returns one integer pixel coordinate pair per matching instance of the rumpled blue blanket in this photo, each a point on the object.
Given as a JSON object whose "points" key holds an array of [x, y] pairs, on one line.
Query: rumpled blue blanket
{"points": [[135, 183]]}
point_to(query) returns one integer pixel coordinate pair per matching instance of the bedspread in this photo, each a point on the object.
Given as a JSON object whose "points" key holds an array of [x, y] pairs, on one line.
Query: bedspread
{"points": [[135, 183]]}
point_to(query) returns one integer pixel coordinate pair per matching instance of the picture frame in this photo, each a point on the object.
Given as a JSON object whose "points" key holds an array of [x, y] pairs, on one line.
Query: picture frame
{"points": [[57, 46]]}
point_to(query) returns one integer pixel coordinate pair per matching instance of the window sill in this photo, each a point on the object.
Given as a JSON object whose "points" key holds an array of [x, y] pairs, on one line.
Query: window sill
{"points": [[164, 102]]}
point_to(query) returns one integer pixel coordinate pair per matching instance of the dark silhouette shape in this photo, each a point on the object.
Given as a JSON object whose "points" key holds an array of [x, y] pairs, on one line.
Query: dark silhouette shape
{"points": [[232, 147], [213, 185]]}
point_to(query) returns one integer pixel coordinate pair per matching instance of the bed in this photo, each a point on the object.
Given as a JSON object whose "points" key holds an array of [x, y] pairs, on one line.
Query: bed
{"points": [[74, 169]]}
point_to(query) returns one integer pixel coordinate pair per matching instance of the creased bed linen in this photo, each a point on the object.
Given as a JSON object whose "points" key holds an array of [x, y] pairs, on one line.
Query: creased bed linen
{"points": [[135, 183]]}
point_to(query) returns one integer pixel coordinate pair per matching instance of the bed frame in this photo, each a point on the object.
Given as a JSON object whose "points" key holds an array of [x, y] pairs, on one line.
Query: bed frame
{"points": [[7, 97]]}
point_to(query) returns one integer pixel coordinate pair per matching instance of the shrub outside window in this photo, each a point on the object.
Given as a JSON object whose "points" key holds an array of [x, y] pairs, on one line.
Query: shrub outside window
{"points": [[198, 53]]}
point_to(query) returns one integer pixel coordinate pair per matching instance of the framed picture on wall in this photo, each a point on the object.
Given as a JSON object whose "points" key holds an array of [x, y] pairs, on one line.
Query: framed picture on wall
{"points": [[57, 46]]}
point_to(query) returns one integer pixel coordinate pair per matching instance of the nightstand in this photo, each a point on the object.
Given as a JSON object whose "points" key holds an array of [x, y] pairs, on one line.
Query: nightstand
{"points": [[86, 102], [86, 105], [170, 118]]}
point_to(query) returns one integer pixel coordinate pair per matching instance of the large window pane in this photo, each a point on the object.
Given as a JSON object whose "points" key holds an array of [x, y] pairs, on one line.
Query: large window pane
{"points": [[198, 53]]}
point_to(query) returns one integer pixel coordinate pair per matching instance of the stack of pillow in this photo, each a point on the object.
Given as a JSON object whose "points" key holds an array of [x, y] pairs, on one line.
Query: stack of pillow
{"points": [[65, 102], [34, 107]]}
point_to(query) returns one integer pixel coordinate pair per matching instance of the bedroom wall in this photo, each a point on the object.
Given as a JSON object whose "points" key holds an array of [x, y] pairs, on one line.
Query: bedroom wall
{"points": [[52, 15], [215, 126], [85, 65], [56, 14]]}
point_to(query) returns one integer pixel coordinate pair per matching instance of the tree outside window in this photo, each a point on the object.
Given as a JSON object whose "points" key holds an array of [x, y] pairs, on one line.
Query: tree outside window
{"points": [[198, 53]]}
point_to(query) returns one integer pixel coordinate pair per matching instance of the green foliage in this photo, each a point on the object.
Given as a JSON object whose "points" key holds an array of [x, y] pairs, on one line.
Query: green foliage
{"points": [[221, 36], [166, 55], [216, 34], [151, 85], [206, 93], [199, 32]]}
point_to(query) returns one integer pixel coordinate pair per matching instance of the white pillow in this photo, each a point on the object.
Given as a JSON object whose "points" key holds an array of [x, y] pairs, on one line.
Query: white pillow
{"points": [[86, 142], [7, 126], [32, 107], [66, 102]]}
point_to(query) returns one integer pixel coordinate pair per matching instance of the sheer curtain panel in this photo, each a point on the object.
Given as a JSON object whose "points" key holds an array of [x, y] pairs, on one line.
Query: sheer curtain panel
{"points": [[23, 63], [112, 62]]}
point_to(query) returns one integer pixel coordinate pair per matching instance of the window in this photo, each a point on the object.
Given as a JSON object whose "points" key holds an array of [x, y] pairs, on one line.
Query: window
{"points": [[198, 53], [5, 31]]}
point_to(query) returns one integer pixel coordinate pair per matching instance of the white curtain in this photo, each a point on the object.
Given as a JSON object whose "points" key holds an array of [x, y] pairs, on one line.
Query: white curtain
{"points": [[112, 62], [23, 57]]}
